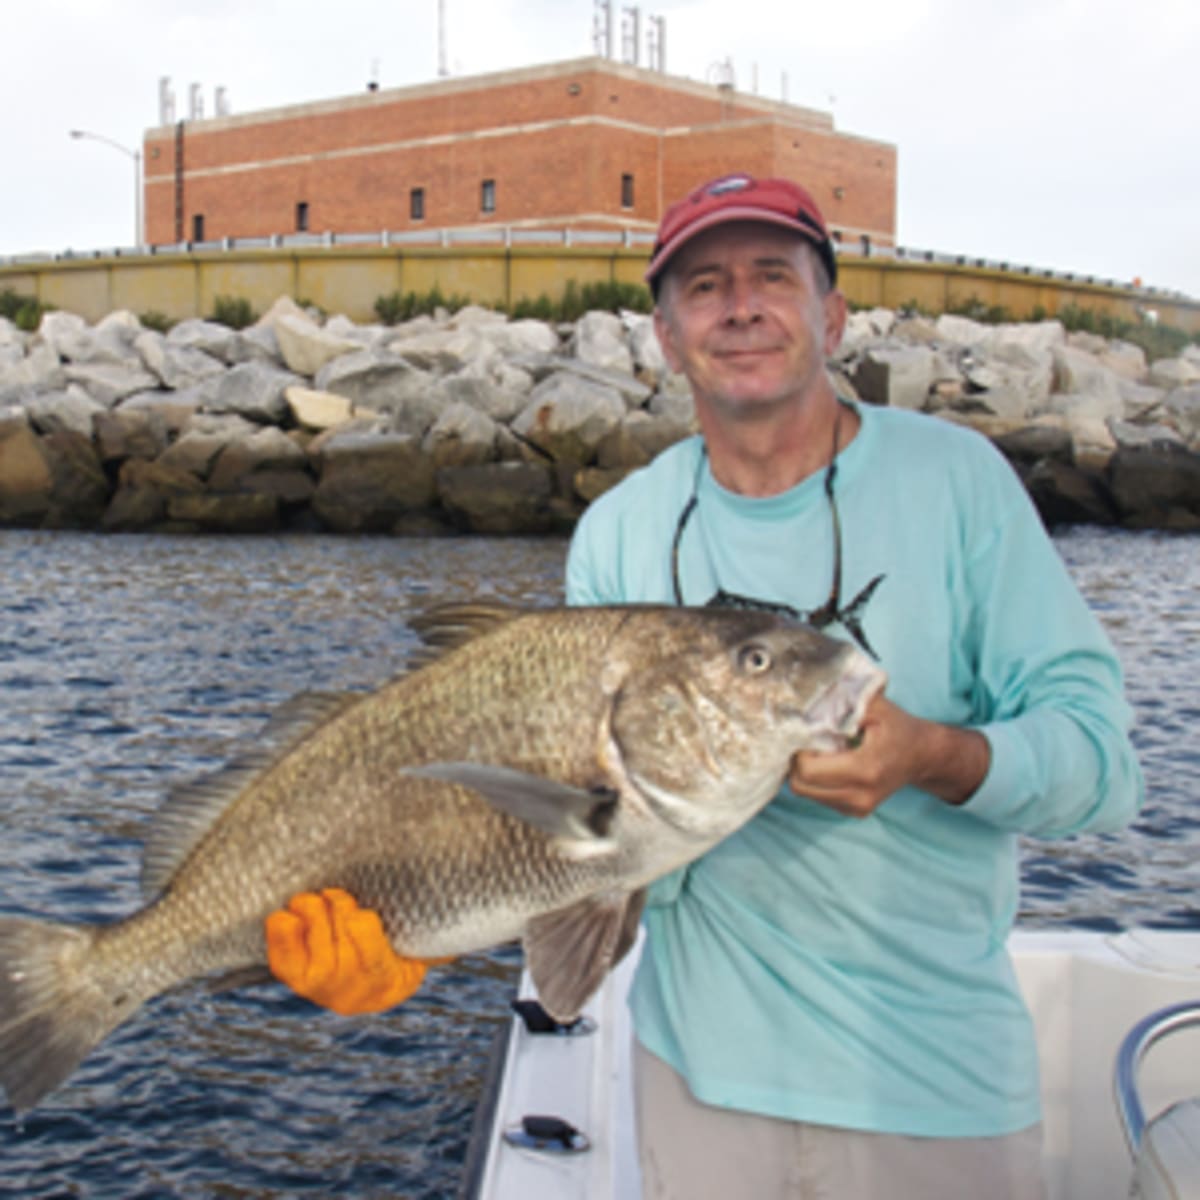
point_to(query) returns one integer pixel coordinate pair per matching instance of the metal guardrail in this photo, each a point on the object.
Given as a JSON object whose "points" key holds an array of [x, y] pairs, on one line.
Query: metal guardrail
{"points": [[508, 237], [1133, 1049]]}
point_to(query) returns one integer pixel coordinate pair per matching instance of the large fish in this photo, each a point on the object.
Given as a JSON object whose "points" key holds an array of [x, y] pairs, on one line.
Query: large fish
{"points": [[528, 783]]}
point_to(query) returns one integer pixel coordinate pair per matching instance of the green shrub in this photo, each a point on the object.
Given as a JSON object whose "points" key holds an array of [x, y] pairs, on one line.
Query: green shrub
{"points": [[156, 320], [23, 311], [396, 307], [234, 311], [541, 309], [1157, 341], [979, 310], [599, 296]]}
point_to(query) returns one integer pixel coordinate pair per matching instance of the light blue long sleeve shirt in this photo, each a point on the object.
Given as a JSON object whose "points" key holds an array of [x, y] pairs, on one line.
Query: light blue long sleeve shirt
{"points": [[854, 972]]}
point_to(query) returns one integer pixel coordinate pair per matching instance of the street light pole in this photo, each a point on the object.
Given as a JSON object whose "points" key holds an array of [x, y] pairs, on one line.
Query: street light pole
{"points": [[136, 155]]}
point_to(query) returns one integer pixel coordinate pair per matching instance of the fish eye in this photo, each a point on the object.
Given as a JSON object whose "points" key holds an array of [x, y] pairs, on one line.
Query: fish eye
{"points": [[754, 658]]}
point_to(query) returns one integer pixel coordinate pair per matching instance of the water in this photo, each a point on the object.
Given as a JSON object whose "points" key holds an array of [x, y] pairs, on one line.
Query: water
{"points": [[129, 664]]}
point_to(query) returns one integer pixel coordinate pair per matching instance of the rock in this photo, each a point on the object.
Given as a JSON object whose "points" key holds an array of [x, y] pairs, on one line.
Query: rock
{"points": [[142, 494], [306, 347], [368, 481], [67, 334], [111, 341], [633, 391], [1077, 372], [26, 478], [71, 409], [80, 488], [497, 390], [129, 433], [462, 436], [1088, 343], [197, 448], [1037, 339], [649, 363], [1124, 359], [1102, 404], [174, 409], [679, 408], [264, 450], [639, 439], [215, 413], [386, 383], [1037, 443], [962, 331], [916, 331], [255, 391], [476, 316], [519, 338], [291, 488], [568, 417], [364, 336], [175, 365], [1140, 400], [442, 351], [1155, 485], [1183, 405], [39, 371], [1173, 373], [245, 512], [284, 306], [110, 383], [500, 498], [258, 343], [317, 410], [590, 483], [210, 337], [1065, 495], [1143, 437], [899, 376], [599, 341]]}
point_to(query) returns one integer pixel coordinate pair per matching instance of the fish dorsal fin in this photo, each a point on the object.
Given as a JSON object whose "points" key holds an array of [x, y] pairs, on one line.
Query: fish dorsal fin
{"points": [[569, 952], [444, 627], [191, 810], [580, 820]]}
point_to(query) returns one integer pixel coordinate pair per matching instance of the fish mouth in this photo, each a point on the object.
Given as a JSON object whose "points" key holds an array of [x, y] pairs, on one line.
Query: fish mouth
{"points": [[836, 716]]}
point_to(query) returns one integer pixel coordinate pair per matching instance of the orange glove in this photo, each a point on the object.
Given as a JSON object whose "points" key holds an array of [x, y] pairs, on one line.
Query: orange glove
{"points": [[330, 951]]}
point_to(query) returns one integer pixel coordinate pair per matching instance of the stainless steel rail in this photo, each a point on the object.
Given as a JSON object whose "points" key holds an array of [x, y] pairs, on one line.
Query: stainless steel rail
{"points": [[1133, 1049]]}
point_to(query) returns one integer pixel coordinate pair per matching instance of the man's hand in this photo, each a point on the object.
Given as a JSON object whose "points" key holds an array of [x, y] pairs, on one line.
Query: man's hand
{"points": [[896, 750], [330, 951]]}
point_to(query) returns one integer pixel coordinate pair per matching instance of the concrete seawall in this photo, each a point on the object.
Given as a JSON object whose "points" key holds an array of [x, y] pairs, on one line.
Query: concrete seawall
{"points": [[181, 283]]}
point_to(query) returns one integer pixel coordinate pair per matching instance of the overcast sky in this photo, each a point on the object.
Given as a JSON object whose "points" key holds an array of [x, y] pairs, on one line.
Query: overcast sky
{"points": [[1056, 133]]}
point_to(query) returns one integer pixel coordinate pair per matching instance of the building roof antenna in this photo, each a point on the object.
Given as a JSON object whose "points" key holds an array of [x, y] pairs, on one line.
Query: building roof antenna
{"points": [[443, 69]]}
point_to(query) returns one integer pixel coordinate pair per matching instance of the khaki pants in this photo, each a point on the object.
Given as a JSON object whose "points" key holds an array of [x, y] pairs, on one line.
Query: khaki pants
{"points": [[692, 1151]]}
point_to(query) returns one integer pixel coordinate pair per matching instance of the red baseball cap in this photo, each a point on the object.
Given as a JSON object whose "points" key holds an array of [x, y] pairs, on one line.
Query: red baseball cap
{"points": [[740, 198]]}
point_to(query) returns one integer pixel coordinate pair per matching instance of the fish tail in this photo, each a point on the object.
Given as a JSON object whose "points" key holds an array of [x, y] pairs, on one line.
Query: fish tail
{"points": [[53, 1008]]}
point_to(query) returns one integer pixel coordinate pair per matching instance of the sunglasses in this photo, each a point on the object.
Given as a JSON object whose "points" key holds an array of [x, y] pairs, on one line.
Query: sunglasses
{"points": [[849, 616]]}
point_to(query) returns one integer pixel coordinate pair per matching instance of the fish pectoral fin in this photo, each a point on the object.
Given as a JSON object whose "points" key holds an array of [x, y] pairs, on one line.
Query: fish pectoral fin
{"points": [[579, 817], [569, 952]]}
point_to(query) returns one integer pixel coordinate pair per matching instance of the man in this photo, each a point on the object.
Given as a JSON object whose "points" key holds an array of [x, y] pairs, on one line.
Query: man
{"points": [[825, 1006]]}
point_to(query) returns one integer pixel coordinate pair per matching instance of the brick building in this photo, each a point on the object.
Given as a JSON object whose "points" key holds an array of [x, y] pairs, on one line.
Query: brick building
{"points": [[588, 143]]}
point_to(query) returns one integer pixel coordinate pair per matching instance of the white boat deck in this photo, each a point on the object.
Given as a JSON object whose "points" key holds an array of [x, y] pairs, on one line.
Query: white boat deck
{"points": [[1086, 991]]}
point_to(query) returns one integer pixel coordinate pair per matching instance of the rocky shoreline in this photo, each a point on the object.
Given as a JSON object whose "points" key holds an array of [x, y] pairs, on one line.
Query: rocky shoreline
{"points": [[472, 422]]}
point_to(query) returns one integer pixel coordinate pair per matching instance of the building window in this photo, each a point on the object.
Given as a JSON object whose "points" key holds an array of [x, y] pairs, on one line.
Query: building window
{"points": [[302, 217], [416, 204], [487, 196], [626, 191], [197, 227]]}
